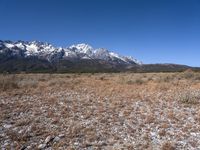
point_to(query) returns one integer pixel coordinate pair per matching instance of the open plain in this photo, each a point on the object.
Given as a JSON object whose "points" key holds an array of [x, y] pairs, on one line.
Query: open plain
{"points": [[155, 111]]}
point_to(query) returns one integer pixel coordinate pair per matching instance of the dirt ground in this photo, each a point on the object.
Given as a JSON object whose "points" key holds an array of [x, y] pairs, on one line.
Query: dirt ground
{"points": [[155, 111]]}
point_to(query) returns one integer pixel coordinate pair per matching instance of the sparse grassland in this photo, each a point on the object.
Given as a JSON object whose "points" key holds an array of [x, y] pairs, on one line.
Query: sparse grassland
{"points": [[100, 111]]}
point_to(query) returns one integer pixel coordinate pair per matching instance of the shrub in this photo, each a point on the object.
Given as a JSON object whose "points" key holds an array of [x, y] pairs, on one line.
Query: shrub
{"points": [[137, 81], [197, 77], [165, 79], [31, 83], [189, 96], [188, 74], [8, 82], [168, 146]]}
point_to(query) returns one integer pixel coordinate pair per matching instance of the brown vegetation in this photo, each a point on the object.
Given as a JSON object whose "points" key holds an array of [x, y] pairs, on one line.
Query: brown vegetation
{"points": [[100, 111]]}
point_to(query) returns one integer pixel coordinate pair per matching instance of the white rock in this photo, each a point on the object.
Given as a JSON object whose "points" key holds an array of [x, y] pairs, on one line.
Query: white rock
{"points": [[56, 139], [41, 146], [28, 147], [76, 143], [61, 135], [7, 126], [193, 134], [48, 139]]}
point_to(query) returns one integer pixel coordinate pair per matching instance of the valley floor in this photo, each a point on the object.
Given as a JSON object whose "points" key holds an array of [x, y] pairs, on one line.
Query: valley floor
{"points": [[100, 111]]}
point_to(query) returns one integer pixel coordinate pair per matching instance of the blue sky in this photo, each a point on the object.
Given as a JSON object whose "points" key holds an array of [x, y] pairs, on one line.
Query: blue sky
{"points": [[153, 31]]}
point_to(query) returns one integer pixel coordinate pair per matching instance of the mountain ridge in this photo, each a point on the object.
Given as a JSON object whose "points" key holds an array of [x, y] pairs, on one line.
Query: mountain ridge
{"points": [[47, 51], [36, 56]]}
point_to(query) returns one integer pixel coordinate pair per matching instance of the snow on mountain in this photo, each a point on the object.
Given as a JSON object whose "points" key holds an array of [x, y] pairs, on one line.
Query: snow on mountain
{"points": [[39, 48], [31, 49], [82, 48], [20, 45], [101, 53], [8, 45], [50, 53]]}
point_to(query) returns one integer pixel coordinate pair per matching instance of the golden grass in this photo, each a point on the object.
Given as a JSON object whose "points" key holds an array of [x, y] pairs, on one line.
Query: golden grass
{"points": [[82, 105], [129, 85]]}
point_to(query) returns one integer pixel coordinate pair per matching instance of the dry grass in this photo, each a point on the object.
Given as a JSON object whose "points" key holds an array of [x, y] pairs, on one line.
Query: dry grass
{"points": [[168, 146], [8, 82], [189, 96], [100, 111]]}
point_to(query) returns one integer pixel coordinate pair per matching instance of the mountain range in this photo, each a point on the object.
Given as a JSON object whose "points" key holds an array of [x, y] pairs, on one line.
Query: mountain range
{"points": [[36, 56]]}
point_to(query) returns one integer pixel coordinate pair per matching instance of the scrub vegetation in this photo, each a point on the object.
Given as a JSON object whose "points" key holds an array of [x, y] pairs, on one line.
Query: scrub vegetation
{"points": [[100, 111]]}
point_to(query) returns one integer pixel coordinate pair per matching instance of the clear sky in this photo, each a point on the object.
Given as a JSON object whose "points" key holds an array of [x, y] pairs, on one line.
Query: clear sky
{"points": [[153, 31]]}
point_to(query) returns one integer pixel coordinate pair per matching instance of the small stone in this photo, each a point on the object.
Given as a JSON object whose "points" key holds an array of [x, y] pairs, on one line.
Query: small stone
{"points": [[76, 143], [20, 131], [41, 146], [56, 139], [49, 148], [193, 134], [7, 126], [23, 147], [48, 139], [5, 144], [61, 135], [28, 147]]}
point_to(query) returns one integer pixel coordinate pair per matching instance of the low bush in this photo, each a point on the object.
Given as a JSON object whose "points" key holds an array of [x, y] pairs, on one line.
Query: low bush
{"points": [[8, 82], [136, 81], [189, 96]]}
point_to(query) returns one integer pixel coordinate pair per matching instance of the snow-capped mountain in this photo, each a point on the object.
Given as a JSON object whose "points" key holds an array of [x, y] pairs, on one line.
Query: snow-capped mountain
{"points": [[48, 52], [35, 56]]}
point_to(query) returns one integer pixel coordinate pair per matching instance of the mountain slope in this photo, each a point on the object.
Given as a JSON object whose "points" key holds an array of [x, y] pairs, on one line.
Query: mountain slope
{"points": [[39, 56], [34, 56], [48, 52]]}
